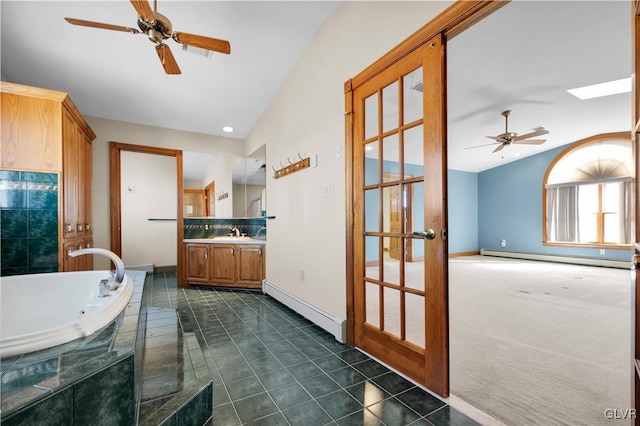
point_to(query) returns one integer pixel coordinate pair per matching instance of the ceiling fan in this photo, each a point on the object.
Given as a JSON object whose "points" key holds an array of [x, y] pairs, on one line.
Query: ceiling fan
{"points": [[158, 28], [508, 138]]}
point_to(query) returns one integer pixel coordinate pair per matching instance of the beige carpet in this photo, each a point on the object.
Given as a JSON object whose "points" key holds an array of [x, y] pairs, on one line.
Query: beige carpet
{"points": [[536, 343]]}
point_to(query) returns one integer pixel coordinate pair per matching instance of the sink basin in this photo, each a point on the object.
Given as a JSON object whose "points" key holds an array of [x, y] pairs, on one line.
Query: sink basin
{"points": [[231, 239]]}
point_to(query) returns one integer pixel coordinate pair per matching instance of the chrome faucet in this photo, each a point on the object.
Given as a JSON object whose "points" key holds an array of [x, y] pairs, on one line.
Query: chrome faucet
{"points": [[264, 228], [114, 280]]}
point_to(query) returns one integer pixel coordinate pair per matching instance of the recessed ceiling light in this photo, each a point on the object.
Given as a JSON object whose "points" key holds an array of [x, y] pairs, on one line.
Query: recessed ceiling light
{"points": [[227, 129], [603, 89]]}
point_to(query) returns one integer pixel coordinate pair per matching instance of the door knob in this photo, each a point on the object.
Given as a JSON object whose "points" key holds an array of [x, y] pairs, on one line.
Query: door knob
{"points": [[429, 234]]}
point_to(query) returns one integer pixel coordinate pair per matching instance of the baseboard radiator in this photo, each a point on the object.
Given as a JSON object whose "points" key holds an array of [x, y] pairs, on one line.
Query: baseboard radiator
{"points": [[609, 263], [316, 315]]}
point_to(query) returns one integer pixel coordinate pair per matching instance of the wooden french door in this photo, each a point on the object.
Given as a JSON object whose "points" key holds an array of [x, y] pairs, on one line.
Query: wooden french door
{"points": [[399, 136]]}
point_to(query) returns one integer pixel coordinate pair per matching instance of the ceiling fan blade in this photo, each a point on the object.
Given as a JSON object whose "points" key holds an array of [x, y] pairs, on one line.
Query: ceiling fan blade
{"points": [[144, 10], [166, 58], [100, 25], [499, 148], [203, 42], [531, 135], [478, 146], [531, 142]]}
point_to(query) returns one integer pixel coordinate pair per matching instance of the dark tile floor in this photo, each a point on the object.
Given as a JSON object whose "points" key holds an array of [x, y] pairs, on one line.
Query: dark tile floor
{"points": [[271, 366]]}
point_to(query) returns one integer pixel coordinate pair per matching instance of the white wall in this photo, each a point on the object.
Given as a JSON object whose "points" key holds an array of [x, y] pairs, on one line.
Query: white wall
{"points": [[306, 116], [226, 151], [148, 191]]}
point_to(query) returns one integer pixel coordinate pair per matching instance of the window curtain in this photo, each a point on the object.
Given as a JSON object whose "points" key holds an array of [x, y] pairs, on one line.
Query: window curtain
{"points": [[626, 217], [562, 213]]}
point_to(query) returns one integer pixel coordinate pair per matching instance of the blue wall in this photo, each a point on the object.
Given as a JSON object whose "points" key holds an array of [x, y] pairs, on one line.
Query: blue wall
{"points": [[510, 208], [463, 211]]}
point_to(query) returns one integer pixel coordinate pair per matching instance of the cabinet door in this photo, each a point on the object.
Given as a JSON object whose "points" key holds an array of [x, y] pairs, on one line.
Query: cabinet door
{"points": [[197, 263], [70, 175], [88, 186], [80, 183], [250, 265], [222, 264]]}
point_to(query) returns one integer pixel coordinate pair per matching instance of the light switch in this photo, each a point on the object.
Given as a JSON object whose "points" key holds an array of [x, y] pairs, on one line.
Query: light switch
{"points": [[325, 189]]}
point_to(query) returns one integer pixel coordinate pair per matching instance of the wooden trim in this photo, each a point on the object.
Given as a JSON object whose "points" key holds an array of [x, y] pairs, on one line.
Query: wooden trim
{"points": [[587, 245], [452, 21], [114, 199], [464, 253], [575, 145], [349, 203], [115, 149]]}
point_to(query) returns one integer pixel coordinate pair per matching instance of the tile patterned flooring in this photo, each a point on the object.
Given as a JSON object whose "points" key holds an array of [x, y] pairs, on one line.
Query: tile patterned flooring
{"points": [[271, 366]]}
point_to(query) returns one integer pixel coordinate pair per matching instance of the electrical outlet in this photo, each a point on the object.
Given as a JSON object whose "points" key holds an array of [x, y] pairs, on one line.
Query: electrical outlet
{"points": [[338, 151], [301, 274], [602, 252], [503, 243]]}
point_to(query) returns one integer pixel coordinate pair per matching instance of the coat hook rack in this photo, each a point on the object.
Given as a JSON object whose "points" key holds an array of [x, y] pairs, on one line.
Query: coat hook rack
{"points": [[291, 167]]}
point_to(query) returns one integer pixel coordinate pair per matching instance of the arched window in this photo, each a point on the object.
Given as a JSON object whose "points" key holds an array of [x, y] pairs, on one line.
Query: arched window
{"points": [[588, 193]]}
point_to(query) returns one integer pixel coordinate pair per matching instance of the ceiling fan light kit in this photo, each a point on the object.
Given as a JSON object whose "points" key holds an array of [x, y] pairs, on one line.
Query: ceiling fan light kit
{"points": [[508, 138], [158, 28]]}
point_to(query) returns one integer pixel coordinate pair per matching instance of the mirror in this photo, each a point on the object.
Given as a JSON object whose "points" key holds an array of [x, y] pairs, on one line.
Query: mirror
{"points": [[249, 185], [236, 184]]}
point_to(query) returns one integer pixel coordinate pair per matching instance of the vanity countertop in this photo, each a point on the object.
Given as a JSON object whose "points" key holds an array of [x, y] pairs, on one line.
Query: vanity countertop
{"points": [[226, 240]]}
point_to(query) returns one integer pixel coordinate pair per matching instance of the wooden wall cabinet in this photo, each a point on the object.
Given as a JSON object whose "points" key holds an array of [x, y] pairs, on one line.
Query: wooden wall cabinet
{"points": [[226, 265], [42, 130]]}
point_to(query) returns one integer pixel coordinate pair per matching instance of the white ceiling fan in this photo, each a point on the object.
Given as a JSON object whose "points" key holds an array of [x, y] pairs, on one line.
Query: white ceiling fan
{"points": [[508, 138]]}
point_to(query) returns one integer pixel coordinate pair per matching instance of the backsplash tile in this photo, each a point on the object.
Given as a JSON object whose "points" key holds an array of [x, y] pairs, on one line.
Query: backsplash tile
{"points": [[211, 227], [28, 222]]}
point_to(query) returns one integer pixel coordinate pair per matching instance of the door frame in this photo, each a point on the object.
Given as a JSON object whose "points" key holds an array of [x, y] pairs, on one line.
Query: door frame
{"points": [[456, 18], [452, 21], [115, 149]]}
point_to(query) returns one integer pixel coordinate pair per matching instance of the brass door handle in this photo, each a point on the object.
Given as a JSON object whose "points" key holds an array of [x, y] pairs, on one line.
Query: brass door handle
{"points": [[429, 234]]}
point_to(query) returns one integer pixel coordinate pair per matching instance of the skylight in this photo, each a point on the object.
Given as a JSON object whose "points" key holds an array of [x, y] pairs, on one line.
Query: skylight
{"points": [[602, 89]]}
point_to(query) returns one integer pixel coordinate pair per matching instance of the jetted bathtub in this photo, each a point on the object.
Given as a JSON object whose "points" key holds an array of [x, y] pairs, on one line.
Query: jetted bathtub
{"points": [[40, 311]]}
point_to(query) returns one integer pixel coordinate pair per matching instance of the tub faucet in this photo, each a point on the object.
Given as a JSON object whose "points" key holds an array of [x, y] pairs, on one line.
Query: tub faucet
{"points": [[114, 281]]}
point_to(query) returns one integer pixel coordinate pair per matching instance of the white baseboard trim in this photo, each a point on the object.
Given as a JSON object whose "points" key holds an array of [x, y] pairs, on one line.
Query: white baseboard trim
{"points": [[621, 264], [316, 315]]}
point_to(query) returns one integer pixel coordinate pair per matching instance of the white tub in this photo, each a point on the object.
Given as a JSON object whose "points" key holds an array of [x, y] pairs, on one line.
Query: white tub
{"points": [[40, 311]]}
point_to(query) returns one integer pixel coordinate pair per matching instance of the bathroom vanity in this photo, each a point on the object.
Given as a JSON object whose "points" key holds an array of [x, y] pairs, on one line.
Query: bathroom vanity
{"points": [[225, 261]]}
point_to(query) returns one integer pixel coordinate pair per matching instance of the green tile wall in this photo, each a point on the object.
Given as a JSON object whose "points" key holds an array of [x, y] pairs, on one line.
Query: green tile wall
{"points": [[28, 222]]}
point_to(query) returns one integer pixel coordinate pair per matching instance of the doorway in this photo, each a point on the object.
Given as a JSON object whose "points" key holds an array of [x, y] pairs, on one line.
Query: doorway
{"points": [[395, 123], [115, 183]]}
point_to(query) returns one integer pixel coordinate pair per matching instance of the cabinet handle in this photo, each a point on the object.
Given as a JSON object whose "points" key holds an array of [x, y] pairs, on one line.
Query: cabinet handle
{"points": [[79, 227], [233, 252], [206, 253], [69, 252], [68, 227], [260, 252], [87, 227]]}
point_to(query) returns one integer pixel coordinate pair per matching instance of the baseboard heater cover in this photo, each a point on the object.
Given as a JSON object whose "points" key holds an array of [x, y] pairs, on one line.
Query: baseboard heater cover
{"points": [[609, 263], [315, 314]]}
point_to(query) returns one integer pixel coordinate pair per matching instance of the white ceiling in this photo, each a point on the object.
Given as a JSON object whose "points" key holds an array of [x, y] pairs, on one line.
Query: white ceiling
{"points": [[523, 58]]}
